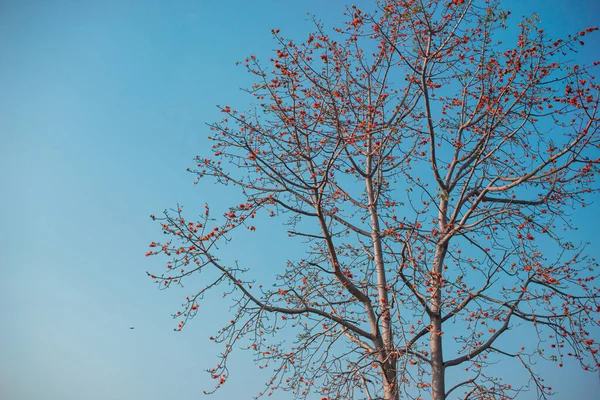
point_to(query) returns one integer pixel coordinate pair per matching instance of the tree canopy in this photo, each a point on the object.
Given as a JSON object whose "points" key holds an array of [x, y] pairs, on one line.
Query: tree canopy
{"points": [[428, 170]]}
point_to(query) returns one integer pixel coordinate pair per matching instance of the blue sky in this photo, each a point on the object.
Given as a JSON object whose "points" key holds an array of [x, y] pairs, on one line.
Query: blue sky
{"points": [[103, 106]]}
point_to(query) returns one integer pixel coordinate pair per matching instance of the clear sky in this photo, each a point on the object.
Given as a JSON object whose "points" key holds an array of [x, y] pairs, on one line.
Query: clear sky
{"points": [[103, 105]]}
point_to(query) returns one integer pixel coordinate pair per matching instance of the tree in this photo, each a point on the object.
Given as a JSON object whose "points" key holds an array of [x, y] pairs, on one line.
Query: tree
{"points": [[428, 170]]}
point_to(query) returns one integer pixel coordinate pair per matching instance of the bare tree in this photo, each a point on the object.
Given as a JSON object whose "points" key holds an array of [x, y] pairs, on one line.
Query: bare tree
{"points": [[428, 170]]}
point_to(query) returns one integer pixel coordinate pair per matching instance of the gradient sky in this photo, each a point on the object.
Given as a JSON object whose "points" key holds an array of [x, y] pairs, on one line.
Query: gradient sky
{"points": [[103, 105]]}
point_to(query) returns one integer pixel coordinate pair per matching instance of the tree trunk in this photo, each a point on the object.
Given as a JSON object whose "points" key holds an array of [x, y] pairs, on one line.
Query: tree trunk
{"points": [[390, 379], [438, 389], [389, 358]]}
